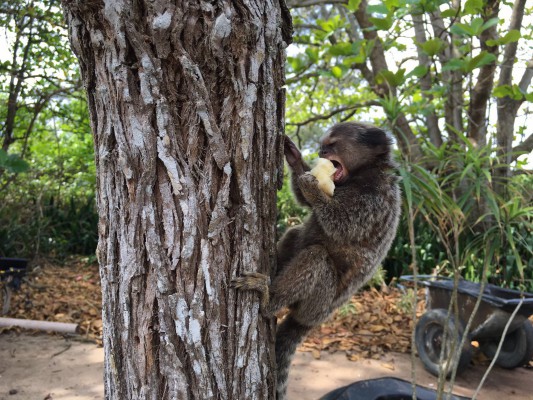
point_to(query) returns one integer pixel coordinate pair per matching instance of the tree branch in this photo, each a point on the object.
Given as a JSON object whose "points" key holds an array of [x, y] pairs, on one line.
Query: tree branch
{"points": [[300, 76], [377, 58], [523, 148], [310, 3], [333, 112], [526, 78], [432, 120], [453, 107], [506, 70], [480, 93]]}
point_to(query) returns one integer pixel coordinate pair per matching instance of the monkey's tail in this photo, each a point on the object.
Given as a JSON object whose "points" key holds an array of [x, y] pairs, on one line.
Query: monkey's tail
{"points": [[288, 336]]}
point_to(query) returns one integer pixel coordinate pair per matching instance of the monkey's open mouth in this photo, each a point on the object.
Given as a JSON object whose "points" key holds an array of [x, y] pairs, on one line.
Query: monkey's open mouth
{"points": [[339, 171]]}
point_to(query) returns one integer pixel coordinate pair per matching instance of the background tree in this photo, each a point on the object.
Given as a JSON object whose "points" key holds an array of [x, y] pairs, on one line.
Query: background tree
{"points": [[37, 72], [186, 108], [467, 54], [44, 132], [453, 82]]}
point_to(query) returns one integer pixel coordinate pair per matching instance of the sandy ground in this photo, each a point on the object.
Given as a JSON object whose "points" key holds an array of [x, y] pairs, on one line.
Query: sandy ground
{"points": [[50, 368]]}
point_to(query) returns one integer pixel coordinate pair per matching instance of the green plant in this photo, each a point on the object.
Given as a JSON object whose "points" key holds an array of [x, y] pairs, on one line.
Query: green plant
{"points": [[406, 301]]}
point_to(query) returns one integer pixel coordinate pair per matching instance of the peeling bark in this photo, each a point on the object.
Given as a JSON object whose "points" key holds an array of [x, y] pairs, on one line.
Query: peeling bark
{"points": [[187, 111]]}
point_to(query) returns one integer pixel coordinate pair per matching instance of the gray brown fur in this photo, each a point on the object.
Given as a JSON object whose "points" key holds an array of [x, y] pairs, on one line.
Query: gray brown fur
{"points": [[322, 262]]}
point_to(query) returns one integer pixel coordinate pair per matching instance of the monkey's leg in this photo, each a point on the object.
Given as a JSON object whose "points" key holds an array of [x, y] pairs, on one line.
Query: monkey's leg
{"points": [[287, 247], [289, 334], [306, 279], [307, 284]]}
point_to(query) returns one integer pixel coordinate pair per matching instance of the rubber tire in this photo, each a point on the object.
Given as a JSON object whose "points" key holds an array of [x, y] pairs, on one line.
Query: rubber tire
{"points": [[429, 330], [517, 347]]}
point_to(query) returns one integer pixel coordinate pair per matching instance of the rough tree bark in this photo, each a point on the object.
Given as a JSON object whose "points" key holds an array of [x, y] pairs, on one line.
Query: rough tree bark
{"points": [[186, 108], [508, 107]]}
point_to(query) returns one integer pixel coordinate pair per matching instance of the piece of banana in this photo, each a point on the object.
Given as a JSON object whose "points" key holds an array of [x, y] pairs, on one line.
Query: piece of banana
{"points": [[323, 171]]}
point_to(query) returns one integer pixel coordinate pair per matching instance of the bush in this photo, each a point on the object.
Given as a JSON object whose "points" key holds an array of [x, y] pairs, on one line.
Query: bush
{"points": [[44, 226]]}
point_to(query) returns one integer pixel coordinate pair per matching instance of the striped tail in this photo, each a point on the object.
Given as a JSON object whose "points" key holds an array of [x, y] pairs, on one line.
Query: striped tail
{"points": [[288, 336]]}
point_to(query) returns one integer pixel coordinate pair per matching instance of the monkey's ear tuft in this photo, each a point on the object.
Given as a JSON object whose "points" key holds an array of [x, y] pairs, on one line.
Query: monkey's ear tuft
{"points": [[374, 137]]}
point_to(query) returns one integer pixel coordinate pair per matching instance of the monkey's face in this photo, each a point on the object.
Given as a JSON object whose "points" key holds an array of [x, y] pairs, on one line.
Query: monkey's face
{"points": [[352, 147]]}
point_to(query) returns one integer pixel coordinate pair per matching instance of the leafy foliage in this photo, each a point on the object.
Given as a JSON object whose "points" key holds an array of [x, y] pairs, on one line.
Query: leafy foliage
{"points": [[435, 72], [45, 133], [12, 162]]}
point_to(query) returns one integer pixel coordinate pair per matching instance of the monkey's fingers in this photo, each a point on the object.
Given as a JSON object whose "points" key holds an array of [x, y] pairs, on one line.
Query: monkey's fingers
{"points": [[251, 281], [292, 154], [257, 282]]}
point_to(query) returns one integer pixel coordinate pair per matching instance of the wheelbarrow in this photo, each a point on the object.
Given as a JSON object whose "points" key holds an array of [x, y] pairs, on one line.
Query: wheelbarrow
{"points": [[12, 270], [437, 331]]}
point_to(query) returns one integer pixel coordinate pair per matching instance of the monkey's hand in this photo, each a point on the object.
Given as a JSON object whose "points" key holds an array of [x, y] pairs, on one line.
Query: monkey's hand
{"points": [[294, 156], [258, 282], [308, 184]]}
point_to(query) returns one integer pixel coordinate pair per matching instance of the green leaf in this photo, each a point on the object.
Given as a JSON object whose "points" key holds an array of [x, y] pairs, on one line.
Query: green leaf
{"points": [[342, 49], [473, 6], [432, 46], [480, 60], [476, 26], [336, 71], [513, 92], [393, 79], [358, 59], [382, 24], [454, 64], [312, 53], [295, 63], [503, 91], [353, 5], [512, 36], [377, 9], [490, 23], [418, 71], [12, 163], [461, 30], [449, 13]]}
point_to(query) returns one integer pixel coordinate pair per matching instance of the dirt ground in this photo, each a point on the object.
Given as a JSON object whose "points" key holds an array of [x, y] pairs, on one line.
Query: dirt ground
{"points": [[47, 367]]}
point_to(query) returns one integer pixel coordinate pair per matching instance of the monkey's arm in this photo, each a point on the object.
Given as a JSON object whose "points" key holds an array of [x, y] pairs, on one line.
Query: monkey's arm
{"points": [[298, 167]]}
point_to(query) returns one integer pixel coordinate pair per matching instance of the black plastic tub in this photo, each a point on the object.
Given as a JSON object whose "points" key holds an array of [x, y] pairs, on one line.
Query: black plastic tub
{"points": [[383, 389]]}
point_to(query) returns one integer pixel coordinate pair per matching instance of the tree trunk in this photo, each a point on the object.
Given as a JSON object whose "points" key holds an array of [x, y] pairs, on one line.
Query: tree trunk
{"points": [[507, 107], [187, 113]]}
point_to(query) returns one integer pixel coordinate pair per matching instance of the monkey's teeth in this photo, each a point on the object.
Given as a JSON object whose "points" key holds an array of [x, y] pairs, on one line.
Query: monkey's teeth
{"points": [[338, 173]]}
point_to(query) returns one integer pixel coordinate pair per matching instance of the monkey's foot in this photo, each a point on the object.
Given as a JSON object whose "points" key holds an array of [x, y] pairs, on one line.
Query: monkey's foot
{"points": [[254, 281]]}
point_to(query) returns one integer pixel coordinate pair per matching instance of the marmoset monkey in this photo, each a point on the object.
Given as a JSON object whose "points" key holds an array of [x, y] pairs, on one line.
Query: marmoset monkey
{"points": [[322, 262]]}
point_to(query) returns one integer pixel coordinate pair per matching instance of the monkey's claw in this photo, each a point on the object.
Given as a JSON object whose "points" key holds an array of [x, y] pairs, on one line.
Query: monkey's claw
{"points": [[251, 281], [254, 281]]}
